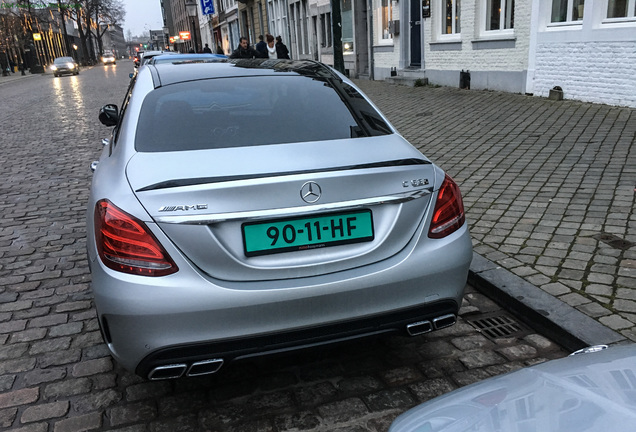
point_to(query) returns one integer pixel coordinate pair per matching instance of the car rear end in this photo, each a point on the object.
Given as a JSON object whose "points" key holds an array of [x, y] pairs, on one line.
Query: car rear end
{"points": [[255, 231]]}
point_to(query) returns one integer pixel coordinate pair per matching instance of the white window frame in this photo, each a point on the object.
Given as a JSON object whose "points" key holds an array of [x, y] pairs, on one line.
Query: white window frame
{"points": [[501, 32], [439, 12], [381, 39], [631, 13], [569, 20], [277, 14]]}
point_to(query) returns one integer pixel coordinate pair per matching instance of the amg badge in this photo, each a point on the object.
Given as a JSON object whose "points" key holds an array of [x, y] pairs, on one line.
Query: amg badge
{"points": [[183, 208]]}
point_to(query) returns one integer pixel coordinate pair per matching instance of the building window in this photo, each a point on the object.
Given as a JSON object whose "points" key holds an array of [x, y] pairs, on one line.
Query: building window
{"points": [[450, 17], [325, 30], [385, 16], [277, 13], [567, 10], [621, 8], [500, 14], [347, 26]]}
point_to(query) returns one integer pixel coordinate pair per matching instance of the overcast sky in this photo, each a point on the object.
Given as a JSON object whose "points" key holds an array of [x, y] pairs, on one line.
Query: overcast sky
{"points": [[142, 15]]}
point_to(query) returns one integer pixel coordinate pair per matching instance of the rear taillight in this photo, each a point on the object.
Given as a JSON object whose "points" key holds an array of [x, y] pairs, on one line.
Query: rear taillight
{"points": [[125, 244], [448, 215]]}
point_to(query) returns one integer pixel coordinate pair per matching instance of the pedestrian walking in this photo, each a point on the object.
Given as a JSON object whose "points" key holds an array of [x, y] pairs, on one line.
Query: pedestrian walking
{"points": [[281, 48], [207, 49], [261, 47], [244, 50], [271, 47]]}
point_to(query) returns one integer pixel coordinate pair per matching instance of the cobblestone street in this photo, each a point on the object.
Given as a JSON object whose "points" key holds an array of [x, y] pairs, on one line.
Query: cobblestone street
{"points": [[546, 186]]}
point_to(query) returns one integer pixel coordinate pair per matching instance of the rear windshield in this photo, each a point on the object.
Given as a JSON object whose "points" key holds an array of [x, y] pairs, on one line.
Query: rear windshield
{"points": [[249, 111]]}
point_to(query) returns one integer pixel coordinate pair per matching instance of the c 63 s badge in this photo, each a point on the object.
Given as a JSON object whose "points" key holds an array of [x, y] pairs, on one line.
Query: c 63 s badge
{"points": [[183, 208], [415, 182]]}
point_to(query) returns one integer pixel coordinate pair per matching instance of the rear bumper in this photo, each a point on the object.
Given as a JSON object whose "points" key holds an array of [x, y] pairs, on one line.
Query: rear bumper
{"points": [[187, 317], [224, 351]]}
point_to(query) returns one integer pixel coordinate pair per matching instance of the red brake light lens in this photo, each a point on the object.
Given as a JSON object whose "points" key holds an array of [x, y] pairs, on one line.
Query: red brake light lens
{"points": [[125, 244], [448, 215]]}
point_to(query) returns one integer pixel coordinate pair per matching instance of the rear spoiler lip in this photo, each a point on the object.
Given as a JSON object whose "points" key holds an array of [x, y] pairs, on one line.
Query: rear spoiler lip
{"points": [[208, 180]]}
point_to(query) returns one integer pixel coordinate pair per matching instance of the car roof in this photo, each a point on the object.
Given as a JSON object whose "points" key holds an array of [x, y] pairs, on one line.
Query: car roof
{"points": [[153, 53], [171, 73]]}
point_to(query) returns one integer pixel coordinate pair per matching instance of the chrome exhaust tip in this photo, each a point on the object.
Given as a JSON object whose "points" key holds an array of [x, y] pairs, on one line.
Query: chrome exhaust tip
{"points": [[444, 321], [172, 371], [419, 328], [205, 367]]}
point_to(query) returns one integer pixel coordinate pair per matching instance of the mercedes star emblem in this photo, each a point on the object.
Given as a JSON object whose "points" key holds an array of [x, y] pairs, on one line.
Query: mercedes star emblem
{"points": [[310, 192]]}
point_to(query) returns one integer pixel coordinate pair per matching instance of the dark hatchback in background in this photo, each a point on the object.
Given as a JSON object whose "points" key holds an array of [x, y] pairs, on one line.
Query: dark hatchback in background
{"points": [[246, 207], [65, 66]]}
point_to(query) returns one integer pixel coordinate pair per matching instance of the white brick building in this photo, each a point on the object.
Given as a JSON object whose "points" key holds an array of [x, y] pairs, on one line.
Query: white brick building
{"points": [[587, 47]]}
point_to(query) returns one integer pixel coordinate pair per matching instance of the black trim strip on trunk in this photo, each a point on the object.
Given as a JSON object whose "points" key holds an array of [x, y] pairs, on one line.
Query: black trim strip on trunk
{"points": [[206, 180]]}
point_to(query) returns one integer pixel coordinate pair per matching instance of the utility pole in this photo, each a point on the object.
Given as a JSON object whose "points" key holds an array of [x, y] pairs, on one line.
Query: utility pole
{"points": [[336, 23]]}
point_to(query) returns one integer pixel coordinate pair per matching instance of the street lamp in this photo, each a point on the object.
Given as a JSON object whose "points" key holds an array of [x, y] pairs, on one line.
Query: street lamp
{"points": [[191, 9]]}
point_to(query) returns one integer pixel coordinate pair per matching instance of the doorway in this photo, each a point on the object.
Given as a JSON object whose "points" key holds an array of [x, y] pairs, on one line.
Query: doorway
{"points": [[416, 33]]}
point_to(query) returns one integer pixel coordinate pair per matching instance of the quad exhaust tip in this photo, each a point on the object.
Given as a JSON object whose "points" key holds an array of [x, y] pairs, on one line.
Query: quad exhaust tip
{"points": [[174, 371], [444, 321], [419, 328], [422, 327]]}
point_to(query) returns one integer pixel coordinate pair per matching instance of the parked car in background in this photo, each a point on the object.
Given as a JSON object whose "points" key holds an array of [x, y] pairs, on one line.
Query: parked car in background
{"points": [[137, 58], [148, 55], [246, 207], [185, 58], [109, 58], [65, 66], [593, 391]]}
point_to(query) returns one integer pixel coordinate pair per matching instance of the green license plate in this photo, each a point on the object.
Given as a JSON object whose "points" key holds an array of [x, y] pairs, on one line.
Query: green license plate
{"points": [[303, 233]]}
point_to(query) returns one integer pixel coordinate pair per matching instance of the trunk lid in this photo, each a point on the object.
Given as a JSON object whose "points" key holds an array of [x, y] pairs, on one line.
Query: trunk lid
{"points": [[204, 200]]}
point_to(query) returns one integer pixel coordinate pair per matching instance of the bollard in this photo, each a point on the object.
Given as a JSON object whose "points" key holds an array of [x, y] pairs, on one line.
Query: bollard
{"points": [[464, 80], [556, 93]]}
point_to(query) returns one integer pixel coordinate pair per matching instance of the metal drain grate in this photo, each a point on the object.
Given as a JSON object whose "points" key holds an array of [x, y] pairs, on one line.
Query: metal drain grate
{"points": [[614, 241], [498, 325]]}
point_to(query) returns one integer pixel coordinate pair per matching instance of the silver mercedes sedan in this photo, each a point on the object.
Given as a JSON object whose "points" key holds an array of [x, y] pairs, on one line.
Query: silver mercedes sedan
{"points": [[246, 207]]}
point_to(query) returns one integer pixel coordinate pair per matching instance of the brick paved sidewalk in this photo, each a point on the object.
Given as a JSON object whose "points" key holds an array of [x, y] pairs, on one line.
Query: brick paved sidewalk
{"points": [[548, 186]]}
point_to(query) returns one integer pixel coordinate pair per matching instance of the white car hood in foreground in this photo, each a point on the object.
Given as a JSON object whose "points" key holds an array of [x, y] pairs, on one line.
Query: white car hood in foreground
{"points": [[593, 392]]}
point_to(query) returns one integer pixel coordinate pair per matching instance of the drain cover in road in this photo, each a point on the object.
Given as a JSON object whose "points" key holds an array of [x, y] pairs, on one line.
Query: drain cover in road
{"points": [[498, 324]]}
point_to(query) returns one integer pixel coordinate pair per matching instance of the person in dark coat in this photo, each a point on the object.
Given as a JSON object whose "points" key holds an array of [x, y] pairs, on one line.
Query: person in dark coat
{"points": [[207, 49], [261, 46], [281, 48], [244, 51]]}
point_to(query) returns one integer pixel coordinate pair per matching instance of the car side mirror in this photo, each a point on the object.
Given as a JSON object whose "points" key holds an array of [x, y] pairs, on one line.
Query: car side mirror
{"points": [[108, 115]]}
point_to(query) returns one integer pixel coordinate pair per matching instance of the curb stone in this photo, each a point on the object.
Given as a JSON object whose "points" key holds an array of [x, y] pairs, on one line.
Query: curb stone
{"points": [[557, 320]]}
